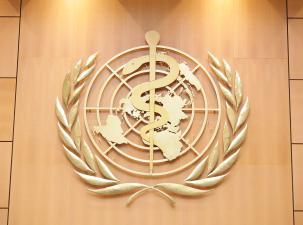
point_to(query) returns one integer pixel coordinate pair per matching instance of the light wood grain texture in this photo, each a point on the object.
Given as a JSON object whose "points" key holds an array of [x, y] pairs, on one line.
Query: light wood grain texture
{"points": [[9, 30], [123, 15], [3, 216], [295, 8], [268, 113], [256, 38], [7, 101], [55, 33], [297, 154], [9, 7], [5, 166], [296, 100], [295, 48], [299, 218]]}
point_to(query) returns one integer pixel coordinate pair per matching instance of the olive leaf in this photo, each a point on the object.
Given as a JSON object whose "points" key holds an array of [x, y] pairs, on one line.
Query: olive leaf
{"points": [[225, 165], [105, 170], [213, 60], [66, 139], [181, 189], [91, 60], [61, 114], [231, 116], [228, 95], [118, 189], [197, 172], [88, 155], [226, 137], [228, 72], [243, 114], [96, 181], [213, 158], [206, 182], [73, 112], [85, 74], [219, 74], [77, 161], [238, 140], [238, 90], [66, 88]]}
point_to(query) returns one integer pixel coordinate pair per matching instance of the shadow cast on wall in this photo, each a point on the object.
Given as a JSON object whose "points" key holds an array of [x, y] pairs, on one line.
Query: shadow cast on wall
{"points": [[155, 10], [15, 4]]}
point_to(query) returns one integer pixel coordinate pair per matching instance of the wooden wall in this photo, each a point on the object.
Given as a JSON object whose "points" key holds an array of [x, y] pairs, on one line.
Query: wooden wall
{"points": [[295, 42], [39, 42], [9, 36]]}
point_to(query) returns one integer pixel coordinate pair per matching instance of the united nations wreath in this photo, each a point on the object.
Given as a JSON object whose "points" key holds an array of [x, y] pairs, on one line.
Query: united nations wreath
{"points": [[209, 172]]}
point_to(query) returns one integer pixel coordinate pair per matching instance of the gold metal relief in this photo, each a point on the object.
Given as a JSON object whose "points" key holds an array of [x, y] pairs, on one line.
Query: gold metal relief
{"points": [[154, 100]]}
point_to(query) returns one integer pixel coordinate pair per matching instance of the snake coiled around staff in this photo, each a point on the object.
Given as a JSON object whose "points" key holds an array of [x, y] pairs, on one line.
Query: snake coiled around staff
{"points": [[139, 90]]}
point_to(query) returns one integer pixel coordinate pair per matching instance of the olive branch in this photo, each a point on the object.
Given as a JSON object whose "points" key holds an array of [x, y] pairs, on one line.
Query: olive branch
{"points": [[88, 166], [95, 172], [213, 169], [234, 130], [76, 149]]}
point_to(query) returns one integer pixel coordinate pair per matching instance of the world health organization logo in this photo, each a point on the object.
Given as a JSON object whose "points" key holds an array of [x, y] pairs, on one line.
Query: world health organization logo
{"points": [[152, 111]]}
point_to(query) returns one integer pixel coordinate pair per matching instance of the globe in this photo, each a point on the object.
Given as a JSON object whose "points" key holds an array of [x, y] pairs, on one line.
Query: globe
{"points": [[114, 124]]}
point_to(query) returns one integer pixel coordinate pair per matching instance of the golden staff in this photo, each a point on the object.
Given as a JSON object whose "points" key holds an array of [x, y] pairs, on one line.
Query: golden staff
{"points": [[152, 38]]}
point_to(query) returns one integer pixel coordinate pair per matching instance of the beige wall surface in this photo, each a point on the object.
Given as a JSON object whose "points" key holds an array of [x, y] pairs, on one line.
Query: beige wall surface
{"points": [[252, 35], [295, 37]]}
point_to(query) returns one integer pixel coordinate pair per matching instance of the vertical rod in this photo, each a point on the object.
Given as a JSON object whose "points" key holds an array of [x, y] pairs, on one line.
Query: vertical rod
{"points": [[152, 38]]}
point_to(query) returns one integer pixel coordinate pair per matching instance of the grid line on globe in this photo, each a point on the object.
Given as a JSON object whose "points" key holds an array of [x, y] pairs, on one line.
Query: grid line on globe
{"points": [[114, 124]]}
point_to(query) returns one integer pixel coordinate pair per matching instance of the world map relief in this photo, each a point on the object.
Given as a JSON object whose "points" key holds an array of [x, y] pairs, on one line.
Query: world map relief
{"points": [[167, 137]]}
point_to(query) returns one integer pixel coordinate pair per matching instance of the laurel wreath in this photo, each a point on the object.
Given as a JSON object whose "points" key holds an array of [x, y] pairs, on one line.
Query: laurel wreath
{"points": [[205, 176]]}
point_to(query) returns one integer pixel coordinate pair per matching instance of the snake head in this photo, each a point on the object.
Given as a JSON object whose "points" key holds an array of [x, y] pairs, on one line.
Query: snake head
{"points": [[131, 66]]}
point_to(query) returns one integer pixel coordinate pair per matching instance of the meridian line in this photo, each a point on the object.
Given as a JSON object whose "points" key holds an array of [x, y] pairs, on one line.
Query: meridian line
{"points": [[117, 75], [125, 133], [190, 146]]}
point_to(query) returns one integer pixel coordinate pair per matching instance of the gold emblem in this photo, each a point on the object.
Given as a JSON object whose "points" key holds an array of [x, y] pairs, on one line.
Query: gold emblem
{"points": [[152, 111]]}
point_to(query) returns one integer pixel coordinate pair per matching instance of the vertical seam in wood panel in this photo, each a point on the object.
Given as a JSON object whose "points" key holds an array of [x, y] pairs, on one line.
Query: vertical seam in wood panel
{"points": [[13, 139], [289, 105]]}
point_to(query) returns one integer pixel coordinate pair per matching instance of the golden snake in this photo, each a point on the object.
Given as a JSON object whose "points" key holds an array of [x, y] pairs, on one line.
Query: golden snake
{"points": [[139, 90]]}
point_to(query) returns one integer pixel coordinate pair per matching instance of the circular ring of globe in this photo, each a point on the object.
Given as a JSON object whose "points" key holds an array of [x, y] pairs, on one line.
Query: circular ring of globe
{"points": [[140, 160], [143, 147], [132, 127], [141, 173]]}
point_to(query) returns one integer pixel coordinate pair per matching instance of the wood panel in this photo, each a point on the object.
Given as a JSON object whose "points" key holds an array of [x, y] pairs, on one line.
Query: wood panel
{"points": [[55, 33], [9, 7], [295, 48], [124, 17], [7, 101], [295, 8], [9, 31], [296, 96], [3, 216], [5, 166], [259, 28], [297, 153], [266, 120], [299, 218]]}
